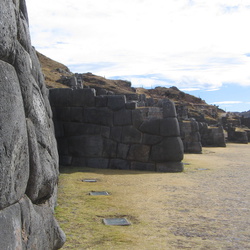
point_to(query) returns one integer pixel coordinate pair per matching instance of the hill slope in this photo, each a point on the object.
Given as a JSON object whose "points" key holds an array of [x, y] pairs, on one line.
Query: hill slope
{"points": [[197, 108]]}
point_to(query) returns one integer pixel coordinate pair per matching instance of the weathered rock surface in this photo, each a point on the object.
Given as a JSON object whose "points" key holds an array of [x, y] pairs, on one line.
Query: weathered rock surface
{"points": [[28, 151]]}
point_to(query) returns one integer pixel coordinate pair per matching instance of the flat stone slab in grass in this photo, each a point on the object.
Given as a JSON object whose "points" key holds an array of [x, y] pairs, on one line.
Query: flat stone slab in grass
{"points": [[89, 180], [99, 193], [116, 222]]}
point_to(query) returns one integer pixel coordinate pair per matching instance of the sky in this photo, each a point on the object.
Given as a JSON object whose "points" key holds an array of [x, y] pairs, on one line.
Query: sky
{"points": [[200, 46]]}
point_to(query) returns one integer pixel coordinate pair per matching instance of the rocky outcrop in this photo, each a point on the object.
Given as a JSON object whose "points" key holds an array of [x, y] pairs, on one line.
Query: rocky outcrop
{"points": [[106, 131], [28, 151]]}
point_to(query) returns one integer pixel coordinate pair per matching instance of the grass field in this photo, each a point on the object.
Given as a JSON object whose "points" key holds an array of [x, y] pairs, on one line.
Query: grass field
{"points": [[205, 207]]}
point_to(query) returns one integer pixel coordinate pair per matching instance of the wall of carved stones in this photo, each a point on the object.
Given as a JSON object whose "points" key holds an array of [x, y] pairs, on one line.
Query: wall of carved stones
{"points": [[106, 131]]}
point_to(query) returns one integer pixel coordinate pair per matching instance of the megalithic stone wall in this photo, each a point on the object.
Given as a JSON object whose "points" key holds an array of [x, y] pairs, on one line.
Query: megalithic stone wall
{"points": [[28, 151], [107, 132]]}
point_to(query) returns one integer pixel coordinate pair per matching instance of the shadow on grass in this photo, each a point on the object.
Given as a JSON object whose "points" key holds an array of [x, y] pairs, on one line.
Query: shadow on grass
{"points": [[108, 171]]}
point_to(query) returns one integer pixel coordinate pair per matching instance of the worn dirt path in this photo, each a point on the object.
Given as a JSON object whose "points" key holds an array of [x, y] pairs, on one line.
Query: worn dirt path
{"points": [[205, 207]]}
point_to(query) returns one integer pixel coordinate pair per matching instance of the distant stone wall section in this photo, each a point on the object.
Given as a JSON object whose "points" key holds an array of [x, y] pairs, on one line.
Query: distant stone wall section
{"points": [[106, 131], [28, 151]]}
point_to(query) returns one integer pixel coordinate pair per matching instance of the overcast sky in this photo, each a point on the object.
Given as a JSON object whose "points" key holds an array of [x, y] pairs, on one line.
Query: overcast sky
{"points": [[200, 46]]}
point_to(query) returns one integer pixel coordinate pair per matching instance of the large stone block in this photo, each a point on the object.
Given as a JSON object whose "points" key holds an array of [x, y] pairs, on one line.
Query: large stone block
{"points": [[8, 34], [82, 98], [138, 116], [97, 162], [76, 114], [139, 152], [170, 149], [151, 126], [74, 129], [109, 148], [60, 97], [143, 166], [168, 108], [14, 155], [169, 127], [123, 117], [100, 116], [116, 102], [86, 146], [62, 114], [131, 135], [116, 133], [101, 101], [151, 139], [119, 164], [23, 31], [43, 170], [122, 150], [169, 167], [11, 228], [39, 228]]}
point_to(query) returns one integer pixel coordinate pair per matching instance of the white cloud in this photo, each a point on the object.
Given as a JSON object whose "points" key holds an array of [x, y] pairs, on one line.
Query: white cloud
{"points": [[196, 44], [228, 102]]}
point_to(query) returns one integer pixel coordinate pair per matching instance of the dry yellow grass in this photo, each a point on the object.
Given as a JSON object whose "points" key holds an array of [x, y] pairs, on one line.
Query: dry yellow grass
{"points": [[205, 207]]}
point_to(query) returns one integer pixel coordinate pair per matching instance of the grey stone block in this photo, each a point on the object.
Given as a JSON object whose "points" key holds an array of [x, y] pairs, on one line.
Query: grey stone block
{"points": [[101, 101], [151, 139], [82, 98], [65, 160], [11, 228], [8, 27], [168, 108], [23, 32], [139, 152], [116, 133], [131, 135], [169, 167], [14, 154], [79, 161], [100, 116], [122, 151], [63, 146], [119, 164], [169, 127], [39, 230], [74, 128], [138, 116], [151, 126], [97, 162], [109, 148], [76, 114], [170, 149], [123, 117], [116, 102], [62, 114], [60, 97], [131, 105], [142, 166], [86, 146], [105, 131]]}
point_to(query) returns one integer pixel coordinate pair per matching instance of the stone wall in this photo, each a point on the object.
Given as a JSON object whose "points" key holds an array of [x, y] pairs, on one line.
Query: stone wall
{"points": [[106, 131], [190, 136], [212, 136], [28, 152]]}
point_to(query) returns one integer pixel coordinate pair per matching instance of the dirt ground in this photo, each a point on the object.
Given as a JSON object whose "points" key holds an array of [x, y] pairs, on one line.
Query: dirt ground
{"points": [[205, 207]]}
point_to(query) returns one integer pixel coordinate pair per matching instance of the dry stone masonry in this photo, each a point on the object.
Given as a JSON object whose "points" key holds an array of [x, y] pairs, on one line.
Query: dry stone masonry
{"points": [[106, 131], [28, 151]]}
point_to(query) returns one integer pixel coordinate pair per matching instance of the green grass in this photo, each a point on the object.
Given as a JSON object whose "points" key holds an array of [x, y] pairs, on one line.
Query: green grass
{"points": [[80, 215]]}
